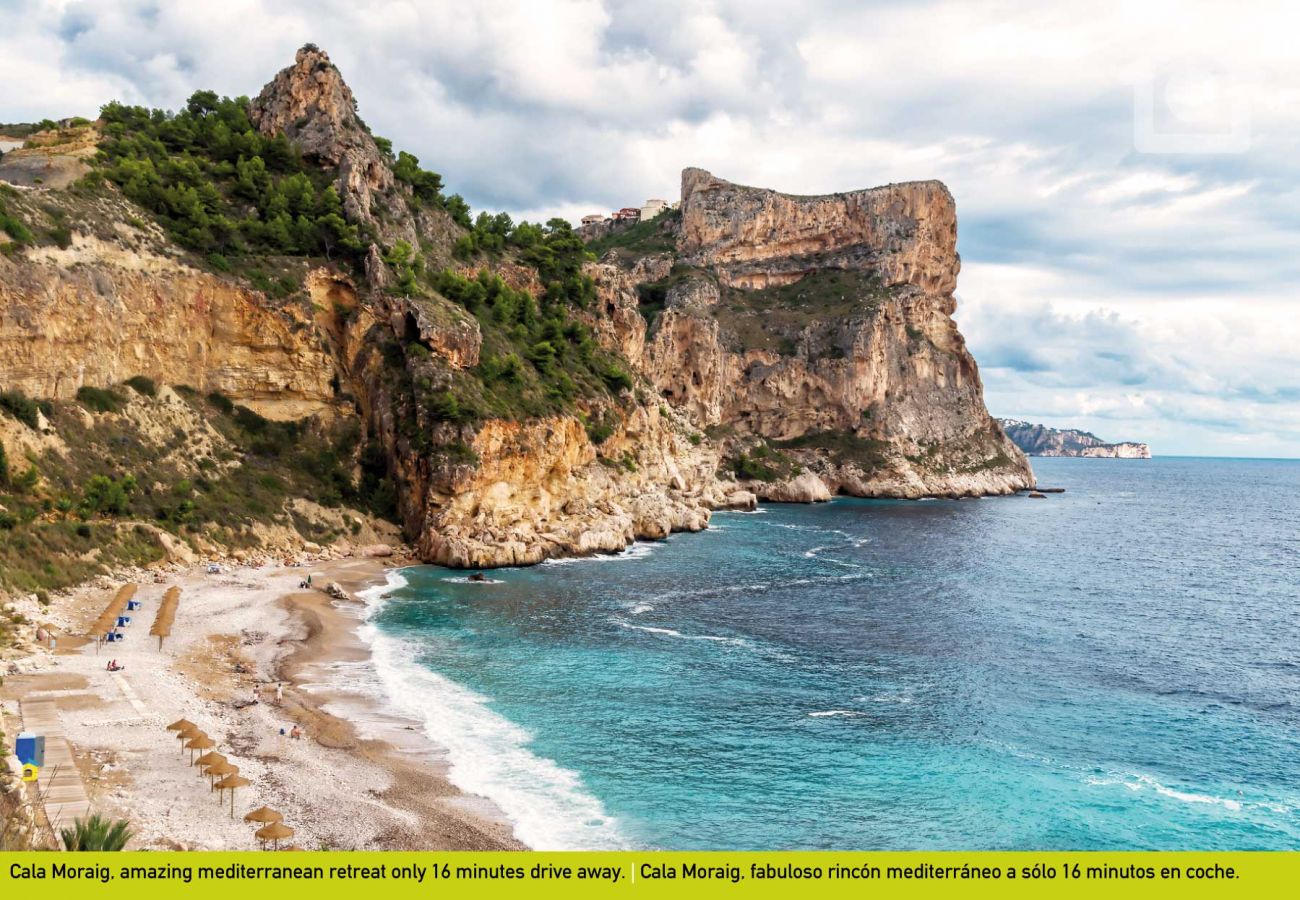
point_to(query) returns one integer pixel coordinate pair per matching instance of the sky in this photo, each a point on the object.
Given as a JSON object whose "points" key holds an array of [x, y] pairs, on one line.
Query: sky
{"points": [[1126, 174]]}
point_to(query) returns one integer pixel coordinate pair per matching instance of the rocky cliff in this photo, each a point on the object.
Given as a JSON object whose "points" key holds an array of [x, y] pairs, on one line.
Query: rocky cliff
{"points": [[1040, 440], [525, 402], [821, 326], [102, 311]]}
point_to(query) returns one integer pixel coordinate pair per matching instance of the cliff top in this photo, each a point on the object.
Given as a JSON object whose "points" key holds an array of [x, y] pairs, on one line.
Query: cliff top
{"points": [[697, 179], [311, 104]]}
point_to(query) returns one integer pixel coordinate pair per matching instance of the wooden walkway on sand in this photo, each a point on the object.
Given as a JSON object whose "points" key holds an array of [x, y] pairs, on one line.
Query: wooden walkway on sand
{"points": [[60, 781]]}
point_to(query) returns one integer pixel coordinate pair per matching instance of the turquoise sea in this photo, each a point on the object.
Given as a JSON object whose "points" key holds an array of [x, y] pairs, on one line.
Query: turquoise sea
{"points": [[1116, 667]]}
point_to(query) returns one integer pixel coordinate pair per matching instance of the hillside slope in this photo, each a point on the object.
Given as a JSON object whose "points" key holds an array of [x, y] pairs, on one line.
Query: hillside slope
{"points": [[509, 396]]}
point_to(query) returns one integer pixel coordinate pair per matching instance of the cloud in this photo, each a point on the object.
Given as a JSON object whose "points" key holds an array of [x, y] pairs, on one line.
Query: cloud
{"points": [[1028, 113]]}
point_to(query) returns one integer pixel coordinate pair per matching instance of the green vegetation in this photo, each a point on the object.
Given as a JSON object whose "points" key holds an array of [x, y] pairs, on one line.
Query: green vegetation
{"points": [[555, 250], [142, 385], [218, 186], [426, 187], [841, 447], [70, 516], [655, 236], [776, 318], [18, 405], [11, 225], [99, 399], [27, 129], [536, 359], [96, 834], [762, 463]]}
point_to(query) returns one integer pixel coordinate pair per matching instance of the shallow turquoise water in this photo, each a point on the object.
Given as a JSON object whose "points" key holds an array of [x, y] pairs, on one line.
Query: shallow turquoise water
{"points": [[1114, 667]]}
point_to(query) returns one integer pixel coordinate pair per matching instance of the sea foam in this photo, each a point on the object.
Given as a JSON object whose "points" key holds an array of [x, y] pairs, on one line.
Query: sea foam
{"points": [[488, 755]]}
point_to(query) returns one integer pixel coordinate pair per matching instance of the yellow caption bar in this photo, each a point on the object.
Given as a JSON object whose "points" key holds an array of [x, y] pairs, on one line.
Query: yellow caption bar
{"points": [[323, 875]]}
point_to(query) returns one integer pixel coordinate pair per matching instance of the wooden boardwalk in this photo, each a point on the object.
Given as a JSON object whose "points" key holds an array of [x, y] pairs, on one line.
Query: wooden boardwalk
{"points": [[60, 780]]}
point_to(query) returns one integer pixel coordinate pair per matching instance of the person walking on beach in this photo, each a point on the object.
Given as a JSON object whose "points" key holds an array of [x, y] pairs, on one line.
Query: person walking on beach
{"points": [[279, 693], [257, 693]]}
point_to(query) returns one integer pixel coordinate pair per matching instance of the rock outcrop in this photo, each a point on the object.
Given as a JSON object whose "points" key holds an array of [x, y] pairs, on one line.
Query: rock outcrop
{"points": [[756, 238], [311, 104], [824, 325], [1040, 440], [98, 313], [817, 330], [541, 491]]}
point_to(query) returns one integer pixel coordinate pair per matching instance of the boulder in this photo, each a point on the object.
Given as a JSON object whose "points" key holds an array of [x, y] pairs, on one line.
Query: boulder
{"points": [[743, 500], [807, 488]]}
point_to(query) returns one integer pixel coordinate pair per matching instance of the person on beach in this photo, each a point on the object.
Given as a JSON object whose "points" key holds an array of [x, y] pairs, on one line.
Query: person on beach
{"points": [[279, 693], [257, 693], [296, 733]]}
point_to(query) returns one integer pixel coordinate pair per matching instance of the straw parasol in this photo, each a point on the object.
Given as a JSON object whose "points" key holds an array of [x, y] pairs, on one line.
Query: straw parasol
{"points": [[181, 725], [188, 734], [162, 623], [209, 758], [275, 832], [264, 814], [220, 770], [229, 783], [199, 742], [107, 620]]}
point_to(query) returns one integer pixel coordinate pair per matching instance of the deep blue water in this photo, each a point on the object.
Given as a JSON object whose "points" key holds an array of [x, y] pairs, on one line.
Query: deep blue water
{"points": [[1114, 667]]}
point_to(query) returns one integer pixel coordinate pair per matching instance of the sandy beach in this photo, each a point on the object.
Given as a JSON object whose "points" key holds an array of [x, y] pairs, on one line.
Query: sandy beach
{"points": [[358, 778]]}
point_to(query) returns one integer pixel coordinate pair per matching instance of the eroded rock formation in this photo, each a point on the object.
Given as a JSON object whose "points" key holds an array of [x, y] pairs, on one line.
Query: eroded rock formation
{"points": [[824, 324], [817, 330], [99, 313]]}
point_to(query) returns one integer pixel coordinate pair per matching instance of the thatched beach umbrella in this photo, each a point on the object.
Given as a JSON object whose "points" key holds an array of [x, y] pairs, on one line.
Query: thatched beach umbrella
{"points": [[210, 758], [275, 832], [200, 742], [107, 620], [220, 770], [230, 783], [264, 814], [162, 623], [181, 725], [188, 734]]}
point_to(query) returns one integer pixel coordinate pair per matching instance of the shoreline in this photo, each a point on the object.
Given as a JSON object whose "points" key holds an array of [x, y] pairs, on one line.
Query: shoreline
{"points": [[248, 625], [358, 720]]}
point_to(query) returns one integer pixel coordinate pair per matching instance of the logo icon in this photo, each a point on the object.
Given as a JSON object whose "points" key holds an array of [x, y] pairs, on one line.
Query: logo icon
{"points": [[1192, 109]]}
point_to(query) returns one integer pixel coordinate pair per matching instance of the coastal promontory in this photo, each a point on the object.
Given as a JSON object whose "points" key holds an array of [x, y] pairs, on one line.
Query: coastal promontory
{"points": [[250, 323]]}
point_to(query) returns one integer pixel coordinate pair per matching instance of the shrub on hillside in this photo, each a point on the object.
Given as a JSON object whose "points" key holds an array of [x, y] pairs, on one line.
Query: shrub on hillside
{"points": [[100, 399], [142, 385], [20, 406]]}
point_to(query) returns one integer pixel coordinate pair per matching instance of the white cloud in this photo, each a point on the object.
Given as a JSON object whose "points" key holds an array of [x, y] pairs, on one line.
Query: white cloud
{"points": [[1026, 112]]}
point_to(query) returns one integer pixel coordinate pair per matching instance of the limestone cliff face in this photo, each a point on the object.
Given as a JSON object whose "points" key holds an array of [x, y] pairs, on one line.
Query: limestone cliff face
{"points": [[98, 313], [311, 104], [754, 238], [542, 490], [800, 319], [1040, 440]]}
